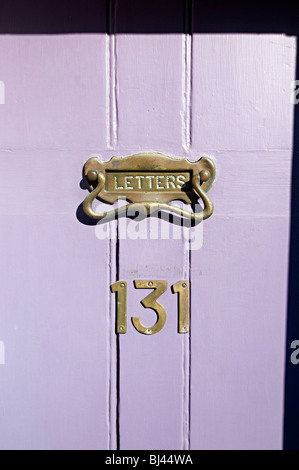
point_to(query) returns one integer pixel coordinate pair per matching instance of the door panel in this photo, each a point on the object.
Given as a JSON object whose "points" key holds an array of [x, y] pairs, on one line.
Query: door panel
{"points": [[55, 92], [237, 381], [150, 92], [152, 368], [242, 86], [239, 277], [55, 381]]}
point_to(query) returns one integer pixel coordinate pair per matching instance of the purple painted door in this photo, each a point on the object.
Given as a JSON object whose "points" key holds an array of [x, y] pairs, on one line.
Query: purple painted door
{"points": [[67, 381]]}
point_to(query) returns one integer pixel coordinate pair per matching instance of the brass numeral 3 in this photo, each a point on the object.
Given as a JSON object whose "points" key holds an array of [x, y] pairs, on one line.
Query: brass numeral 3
{"points": [[151, 302]]}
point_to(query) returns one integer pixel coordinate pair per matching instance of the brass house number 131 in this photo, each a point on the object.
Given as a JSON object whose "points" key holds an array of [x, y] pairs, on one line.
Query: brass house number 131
{"points": [[159, 287]]}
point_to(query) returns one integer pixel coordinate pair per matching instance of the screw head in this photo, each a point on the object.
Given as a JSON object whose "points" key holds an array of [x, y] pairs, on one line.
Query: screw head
{"points": [[92, 175], [121, 328], [205, 175], [122, 284], [150, 284], [183, 329], [148, 331], [184, 284]]}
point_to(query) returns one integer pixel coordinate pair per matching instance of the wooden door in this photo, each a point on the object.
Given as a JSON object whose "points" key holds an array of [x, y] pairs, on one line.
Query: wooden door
{"points": [[67, 380]]}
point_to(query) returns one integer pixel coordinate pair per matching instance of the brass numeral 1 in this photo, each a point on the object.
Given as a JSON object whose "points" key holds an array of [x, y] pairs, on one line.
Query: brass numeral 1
{"points": [[151, 302], [182, 289], [120, 287]]}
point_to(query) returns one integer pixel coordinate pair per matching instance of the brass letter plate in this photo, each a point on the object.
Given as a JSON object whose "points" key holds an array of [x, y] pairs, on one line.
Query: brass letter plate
{"points": [[150, 180]]}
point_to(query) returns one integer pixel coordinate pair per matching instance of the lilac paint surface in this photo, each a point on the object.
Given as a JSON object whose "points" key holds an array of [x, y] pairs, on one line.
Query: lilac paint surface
{"points": [[152, 381], [68, 97], [239, 277], [54, 384]]}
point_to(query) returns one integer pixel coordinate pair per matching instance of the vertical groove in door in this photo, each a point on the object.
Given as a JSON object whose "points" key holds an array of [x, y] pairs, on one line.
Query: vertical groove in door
{"points": [[111, 65], [117, 351], [112, 395], [186, 143], [113, 344], [187, 77], [186, 360], [189, 350], [112, 142]]}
